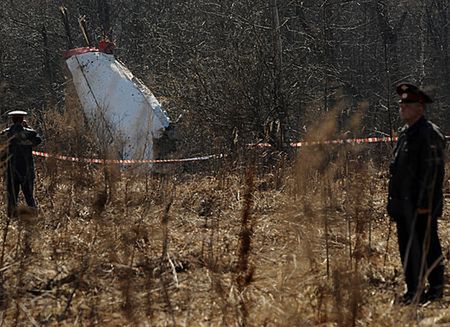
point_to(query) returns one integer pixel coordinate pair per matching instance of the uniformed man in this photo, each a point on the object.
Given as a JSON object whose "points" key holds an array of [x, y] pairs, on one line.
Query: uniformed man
{"points": [[415, 196], [20, 166]]}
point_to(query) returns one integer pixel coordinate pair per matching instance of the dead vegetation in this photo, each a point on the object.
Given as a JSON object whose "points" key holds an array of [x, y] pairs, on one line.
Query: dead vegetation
{"points": [[302, 244]]}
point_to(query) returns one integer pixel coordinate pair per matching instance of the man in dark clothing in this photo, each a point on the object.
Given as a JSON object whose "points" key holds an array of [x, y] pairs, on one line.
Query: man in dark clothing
{"points": [[20, 166], [415, 197]]}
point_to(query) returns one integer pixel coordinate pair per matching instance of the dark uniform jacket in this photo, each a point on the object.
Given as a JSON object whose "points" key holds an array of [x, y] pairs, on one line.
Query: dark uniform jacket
{"points": [[417, 171], [19, 152]]}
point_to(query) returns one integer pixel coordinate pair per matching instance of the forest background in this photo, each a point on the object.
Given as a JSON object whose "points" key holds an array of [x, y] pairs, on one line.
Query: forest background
{"points": [[240, 71]]}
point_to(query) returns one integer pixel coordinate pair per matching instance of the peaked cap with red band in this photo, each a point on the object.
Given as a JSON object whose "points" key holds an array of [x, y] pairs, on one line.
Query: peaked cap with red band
{"points": [[410, 93]]}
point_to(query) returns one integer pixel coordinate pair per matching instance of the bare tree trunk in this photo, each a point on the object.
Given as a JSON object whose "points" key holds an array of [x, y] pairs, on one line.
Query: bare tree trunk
{"points": [[443, 10], [49, 76], [389, 34], [325, 58], [104, 17], [279, 104], [423, 33]]}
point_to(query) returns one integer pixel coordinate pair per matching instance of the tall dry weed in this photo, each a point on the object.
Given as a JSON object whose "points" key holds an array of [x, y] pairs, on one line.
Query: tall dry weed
{"points": [[163, 273], [331, 187], [244, 270]]}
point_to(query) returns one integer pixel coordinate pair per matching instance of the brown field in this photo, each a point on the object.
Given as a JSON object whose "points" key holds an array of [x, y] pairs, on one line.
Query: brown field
{"points": [[299, 244]]}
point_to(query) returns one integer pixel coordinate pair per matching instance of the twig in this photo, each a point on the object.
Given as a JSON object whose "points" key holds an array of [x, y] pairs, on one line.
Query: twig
{"points": [[174, 271], [78, 279], [5, 235], [387, 244]]}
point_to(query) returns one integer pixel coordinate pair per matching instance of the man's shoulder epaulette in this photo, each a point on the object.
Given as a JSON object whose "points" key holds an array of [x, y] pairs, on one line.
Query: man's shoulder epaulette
{"points": [[402, 130], [436, 131]]}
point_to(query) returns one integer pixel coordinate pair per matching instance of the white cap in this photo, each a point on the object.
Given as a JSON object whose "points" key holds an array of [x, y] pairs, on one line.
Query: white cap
{"points": [[17, 113]]}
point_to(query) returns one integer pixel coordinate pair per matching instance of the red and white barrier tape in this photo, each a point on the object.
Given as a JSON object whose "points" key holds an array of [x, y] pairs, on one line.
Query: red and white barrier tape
{"points": [[213, 156], [342, 141], [126, 162]]}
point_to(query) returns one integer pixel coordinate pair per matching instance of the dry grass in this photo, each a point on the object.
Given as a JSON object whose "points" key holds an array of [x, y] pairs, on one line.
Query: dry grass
{"points": [[136, 258], [301, 245]]}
